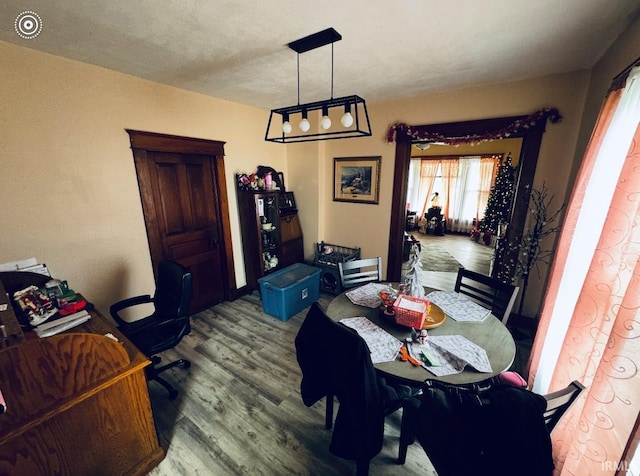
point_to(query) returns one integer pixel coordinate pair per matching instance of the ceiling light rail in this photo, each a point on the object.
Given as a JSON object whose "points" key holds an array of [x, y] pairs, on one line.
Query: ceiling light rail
{"points": [[354, 120]]}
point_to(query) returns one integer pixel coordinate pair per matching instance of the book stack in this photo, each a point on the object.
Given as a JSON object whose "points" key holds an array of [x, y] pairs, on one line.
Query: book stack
{"points": [[55, 326]]}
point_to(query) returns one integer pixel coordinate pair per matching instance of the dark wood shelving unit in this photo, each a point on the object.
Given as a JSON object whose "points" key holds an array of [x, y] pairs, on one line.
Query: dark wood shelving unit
{"points": [[262, 243]]}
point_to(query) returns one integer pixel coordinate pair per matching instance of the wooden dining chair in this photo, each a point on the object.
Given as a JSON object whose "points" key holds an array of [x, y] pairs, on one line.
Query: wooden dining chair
{"points": [[559, 402], [444, 397], [488, 292], [336, 362], [361, 271]]}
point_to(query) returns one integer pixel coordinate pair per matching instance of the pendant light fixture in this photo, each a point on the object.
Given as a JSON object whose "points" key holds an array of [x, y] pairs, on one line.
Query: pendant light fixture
{"points": [[354, 121]]}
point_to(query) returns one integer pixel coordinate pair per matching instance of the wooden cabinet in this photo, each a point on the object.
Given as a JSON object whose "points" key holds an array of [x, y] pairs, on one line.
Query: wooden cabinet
{"points": [[291, 238], [271, 233]]}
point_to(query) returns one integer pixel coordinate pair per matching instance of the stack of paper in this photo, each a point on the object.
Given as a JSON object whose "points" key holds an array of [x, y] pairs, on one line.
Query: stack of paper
{"points": [[30, 264], [57, 326]]}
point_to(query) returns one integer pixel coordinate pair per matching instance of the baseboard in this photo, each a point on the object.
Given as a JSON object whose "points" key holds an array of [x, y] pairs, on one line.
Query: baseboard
{"points": [[238, 293]]}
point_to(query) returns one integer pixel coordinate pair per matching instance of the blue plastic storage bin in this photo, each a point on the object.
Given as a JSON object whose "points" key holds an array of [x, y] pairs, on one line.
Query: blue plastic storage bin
{"points": [[289, 290]]}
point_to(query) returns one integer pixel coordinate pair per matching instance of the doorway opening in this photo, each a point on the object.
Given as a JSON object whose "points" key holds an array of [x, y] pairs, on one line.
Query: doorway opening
{"points": [[531, 139]]}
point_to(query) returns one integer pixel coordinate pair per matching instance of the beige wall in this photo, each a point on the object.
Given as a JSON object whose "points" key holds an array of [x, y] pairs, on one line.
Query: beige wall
{"points": [[304, 180], [68, 186], [367, 226], [69, 190]]}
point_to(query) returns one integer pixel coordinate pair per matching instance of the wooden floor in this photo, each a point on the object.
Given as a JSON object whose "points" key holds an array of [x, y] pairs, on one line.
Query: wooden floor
{"points": [[239, 410], [470, 254]]}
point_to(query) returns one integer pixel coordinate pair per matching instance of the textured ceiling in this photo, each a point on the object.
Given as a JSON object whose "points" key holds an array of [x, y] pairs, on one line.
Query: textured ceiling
{"points": [[236, 50]]}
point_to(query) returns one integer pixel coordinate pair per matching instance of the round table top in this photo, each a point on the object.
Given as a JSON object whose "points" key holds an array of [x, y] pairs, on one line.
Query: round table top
{"points": [[489, 334]]}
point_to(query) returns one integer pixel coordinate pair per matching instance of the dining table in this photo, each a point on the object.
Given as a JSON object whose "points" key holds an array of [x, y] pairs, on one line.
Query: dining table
{"points": [[490, 334]]}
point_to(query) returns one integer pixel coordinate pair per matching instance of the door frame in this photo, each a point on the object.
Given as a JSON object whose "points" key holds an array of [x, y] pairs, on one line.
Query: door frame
{"points": [[531, 140], [141, 143]]}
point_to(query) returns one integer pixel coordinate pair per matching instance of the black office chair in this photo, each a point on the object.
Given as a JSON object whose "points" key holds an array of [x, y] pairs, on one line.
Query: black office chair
{"points": [[168, 324], [488, 292], [335, 361]]}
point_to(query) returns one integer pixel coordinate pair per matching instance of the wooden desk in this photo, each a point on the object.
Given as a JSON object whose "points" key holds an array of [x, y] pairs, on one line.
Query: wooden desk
{"points": [[490, 334], [77, 404]]}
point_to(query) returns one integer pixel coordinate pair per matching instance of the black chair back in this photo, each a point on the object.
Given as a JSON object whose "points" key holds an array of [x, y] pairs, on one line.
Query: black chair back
{"points": [[559, 402], [173, 290], [499, 431], [488, 292]]}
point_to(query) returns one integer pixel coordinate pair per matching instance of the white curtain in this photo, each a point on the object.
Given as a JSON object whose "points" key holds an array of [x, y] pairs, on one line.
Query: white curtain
{"points": [[414, 198], [422, 175], [462, 182], [463, 196]]}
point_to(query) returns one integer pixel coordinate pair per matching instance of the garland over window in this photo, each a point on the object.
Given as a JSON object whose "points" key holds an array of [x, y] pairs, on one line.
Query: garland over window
{"points": [[516, 127]]}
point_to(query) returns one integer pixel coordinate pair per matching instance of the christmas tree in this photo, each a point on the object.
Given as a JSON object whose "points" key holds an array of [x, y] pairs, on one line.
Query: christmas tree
{"points": [[413, 278], [500, 197]]}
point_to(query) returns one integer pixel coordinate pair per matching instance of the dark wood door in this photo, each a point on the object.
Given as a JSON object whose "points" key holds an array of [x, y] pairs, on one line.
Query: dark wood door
{"points": [[187, 223], [185, 205]]}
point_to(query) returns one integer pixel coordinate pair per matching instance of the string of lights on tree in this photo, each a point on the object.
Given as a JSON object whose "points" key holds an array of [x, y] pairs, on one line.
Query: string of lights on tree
{"points": [[530, 252], [515, 128], [498, 207]]}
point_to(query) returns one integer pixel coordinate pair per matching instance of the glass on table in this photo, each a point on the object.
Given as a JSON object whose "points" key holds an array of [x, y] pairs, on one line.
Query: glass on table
{"points": [[388, 298]]}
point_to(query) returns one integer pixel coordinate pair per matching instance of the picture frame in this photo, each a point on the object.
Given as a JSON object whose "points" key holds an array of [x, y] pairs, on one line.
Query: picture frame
{"points": [[356, 179]]}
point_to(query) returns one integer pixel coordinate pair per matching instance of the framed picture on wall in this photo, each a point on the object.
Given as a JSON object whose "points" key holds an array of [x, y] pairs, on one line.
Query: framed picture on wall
{"points": [[356, 179]]}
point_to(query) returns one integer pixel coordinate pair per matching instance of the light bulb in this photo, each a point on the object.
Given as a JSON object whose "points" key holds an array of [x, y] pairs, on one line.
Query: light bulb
{"points": [[325, 122], [304, 125], [347, 119], [286, 127]]}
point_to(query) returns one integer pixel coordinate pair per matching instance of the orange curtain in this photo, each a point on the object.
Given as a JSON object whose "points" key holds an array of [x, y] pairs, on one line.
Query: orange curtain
{"points": [[488, 173], [596, 333]]}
